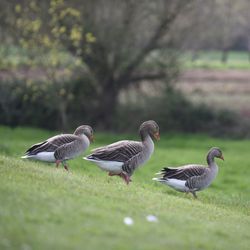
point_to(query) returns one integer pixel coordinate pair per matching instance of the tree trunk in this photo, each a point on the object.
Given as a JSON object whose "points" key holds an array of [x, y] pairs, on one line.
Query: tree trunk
{"points": [[195, 55], [248, 47], [108, 101], [63, 115], [224, 55]]}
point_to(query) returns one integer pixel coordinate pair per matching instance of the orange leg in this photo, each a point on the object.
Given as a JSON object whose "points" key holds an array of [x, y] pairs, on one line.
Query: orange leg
{"points": [[65, 165], [112, 174], [126, 178], [58, 163]]}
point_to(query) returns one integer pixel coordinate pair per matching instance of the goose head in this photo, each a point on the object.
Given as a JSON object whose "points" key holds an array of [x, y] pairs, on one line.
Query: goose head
{"points": [[85, 130], [149, 128], [215, 152]]}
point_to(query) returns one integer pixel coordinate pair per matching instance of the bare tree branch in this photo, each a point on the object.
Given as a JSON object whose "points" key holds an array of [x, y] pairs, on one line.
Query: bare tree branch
{"points": [[160, 31], [156, 76]]}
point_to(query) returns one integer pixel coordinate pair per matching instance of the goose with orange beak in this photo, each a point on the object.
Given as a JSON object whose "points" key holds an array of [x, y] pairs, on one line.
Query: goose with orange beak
{"points": [[61, 148], [122, 158], [193, 177]]}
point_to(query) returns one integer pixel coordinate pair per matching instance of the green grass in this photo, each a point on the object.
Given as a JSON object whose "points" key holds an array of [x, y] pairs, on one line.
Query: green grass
{"points": [[14, 57], [42, 207], [212, 60]]}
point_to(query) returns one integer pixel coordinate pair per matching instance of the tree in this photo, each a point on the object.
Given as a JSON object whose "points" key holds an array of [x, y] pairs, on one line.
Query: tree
{"points": [[126, 33], [43, 29], [244, 6], [114, 39], [215, 24]]}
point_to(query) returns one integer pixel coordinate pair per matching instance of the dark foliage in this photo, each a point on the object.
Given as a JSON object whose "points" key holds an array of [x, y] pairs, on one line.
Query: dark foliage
{"points": [[47, 105], [175, 113], [68, 104]]}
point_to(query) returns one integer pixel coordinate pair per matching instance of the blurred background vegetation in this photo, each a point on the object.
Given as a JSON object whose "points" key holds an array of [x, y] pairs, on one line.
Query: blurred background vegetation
{"points": [[113, 64]]}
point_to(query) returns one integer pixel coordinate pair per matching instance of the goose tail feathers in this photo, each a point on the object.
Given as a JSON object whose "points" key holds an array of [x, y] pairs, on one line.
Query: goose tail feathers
{"points": [[90, 158], [162, 171], [158, 179], [25, 156]]}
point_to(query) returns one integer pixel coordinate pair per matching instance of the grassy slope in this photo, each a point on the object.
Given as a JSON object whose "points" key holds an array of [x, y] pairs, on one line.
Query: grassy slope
{"points": [[42, 207]]}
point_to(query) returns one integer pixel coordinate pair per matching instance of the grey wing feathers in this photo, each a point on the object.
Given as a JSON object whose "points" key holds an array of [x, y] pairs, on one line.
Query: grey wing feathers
{"points": [[34, 147], [51, 144], [69, 150], [110, 146], [120, 151], [183, 173]]}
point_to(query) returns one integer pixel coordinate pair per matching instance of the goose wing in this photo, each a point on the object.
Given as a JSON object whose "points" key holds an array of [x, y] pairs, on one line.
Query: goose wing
{"points": [[120, 151], [51, 144], [184, 172]]}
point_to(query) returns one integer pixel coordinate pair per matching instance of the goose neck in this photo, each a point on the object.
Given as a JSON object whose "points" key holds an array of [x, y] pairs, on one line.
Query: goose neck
{"points": [[210, 159], [148, 142], [84, 139], [211, 162]]}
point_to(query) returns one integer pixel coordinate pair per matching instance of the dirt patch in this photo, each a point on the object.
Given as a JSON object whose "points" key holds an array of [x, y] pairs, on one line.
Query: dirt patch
{"points": [[200, 75], [228, 89]]}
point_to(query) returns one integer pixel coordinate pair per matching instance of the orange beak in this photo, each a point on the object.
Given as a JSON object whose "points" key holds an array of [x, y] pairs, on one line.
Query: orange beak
{"points": [[221, 157], [157, 136]]}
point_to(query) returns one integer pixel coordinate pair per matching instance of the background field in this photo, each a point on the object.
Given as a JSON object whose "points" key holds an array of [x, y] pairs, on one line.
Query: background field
{"points": [[218, 88], [46, 208], [205, 80], [211, 59], [219, 84], [13, 57]]}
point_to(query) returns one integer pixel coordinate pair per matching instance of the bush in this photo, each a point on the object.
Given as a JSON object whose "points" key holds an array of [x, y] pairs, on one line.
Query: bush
{"points": [[174, 113], [64, 105], [44, 104]]}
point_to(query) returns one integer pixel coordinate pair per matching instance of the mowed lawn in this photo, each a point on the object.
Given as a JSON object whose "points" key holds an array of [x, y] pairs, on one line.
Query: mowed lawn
{"points": [[42, 207]]}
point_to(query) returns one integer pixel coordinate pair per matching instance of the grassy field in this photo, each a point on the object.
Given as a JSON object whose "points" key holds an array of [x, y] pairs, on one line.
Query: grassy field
{"points": [[42, 207], [212, 60], [13, 57]]}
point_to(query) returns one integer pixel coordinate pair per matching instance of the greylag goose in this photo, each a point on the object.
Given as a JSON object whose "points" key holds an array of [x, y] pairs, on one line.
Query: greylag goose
{"points": [[61, 148], [192, 178], [123, 157]]}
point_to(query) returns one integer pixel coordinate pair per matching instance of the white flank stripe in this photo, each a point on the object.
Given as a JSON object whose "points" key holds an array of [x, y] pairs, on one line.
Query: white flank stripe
{"points": [[110, 166], [43, 156], [176, 184]]}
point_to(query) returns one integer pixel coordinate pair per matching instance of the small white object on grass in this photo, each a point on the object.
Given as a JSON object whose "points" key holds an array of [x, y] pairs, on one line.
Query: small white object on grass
{"points": [[128, 221], [151, 218]]}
